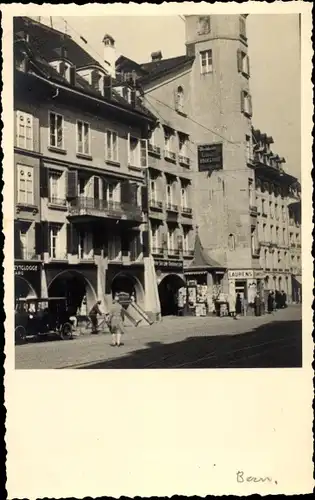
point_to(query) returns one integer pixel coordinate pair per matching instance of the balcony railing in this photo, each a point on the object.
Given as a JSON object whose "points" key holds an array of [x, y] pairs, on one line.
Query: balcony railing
{"points": [[171, 208], [24, 255], [156, 150], [174, 252], [186, 211], [188, 253], [60, 255], [184, 160], [157, 250], [155, 204], [57, 202], [169, 155], [102, 208]]}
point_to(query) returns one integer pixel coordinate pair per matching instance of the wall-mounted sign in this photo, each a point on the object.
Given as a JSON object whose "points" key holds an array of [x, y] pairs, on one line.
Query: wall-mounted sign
{"points": [[248, 274], [22, 269], [260, 275], [169, 263], [210, 157]]}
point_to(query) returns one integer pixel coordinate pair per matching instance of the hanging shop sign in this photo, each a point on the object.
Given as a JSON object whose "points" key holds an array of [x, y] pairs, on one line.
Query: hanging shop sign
{"points": [[210, 157], [247, 274], [169, 263]]}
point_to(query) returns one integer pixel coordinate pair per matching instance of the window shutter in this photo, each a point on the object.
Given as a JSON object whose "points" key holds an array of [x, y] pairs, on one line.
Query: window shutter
{"points": [[96, 188], [107, 87], [45, 236], [242, 101], [17, 241], [164, 241], [128, 146], [250, 107], [144, 152], [95, 78], [239, 61], [134, 194], [62, 68], [125, 195], [145, 243], [43, 181], [73, 75], [72, 184], [38, 238], [144, 198]]}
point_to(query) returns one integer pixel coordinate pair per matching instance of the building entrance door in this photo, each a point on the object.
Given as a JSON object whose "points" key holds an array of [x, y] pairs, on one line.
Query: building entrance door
{"points": [[241, 288]]}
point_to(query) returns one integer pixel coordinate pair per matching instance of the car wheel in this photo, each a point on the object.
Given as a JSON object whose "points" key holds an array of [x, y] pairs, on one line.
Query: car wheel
{"points": [[66, 331], [20, 334]]}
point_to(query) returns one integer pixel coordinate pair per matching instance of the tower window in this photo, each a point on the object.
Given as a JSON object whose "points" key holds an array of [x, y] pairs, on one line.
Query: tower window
{"points": [[243, 27], [179, 99], [206, 61]]}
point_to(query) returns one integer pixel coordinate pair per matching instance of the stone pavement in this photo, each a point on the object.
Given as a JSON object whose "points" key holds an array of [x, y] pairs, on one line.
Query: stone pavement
{"points": [[147, 341]]}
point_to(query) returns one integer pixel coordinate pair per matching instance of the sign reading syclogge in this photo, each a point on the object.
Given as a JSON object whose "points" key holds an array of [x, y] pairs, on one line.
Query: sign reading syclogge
{"points": [[241, 274]]}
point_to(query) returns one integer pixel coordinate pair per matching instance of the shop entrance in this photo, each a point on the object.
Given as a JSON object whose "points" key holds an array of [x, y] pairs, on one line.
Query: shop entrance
{"points": [[241, 288], [168, 294], [76, 288], [128, 284]]}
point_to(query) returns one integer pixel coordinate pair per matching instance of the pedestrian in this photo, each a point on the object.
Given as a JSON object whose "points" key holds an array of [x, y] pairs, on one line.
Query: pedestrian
{"points": [[284, 299], [232, 309], [277, 300], [270, 303], [93, 315], [238, 304], [116, 322]]}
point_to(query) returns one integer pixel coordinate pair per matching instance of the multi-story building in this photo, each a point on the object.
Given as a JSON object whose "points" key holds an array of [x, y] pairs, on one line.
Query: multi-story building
{"points": [[80, 157], [205, 94]]}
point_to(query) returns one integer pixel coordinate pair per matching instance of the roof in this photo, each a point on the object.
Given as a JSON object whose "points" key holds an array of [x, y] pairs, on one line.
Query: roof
{"points": [[40, 64], [201, 258], [157, 68], [49, 42]]}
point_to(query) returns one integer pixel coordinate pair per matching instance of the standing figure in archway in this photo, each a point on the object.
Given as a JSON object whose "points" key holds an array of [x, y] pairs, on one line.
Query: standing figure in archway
{"points": [[93, 315], [116, 322]]}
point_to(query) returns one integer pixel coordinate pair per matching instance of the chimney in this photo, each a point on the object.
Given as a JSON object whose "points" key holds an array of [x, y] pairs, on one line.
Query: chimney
{"points": [[156, 56], [108, 87], [110, 55]]}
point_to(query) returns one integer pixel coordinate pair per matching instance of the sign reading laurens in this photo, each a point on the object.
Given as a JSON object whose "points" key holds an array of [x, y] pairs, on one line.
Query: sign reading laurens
{"points": [[210, 156]]}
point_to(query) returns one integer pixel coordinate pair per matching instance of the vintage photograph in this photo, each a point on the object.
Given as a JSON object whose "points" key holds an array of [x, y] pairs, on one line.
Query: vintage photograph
{"points": [[157, 192]]}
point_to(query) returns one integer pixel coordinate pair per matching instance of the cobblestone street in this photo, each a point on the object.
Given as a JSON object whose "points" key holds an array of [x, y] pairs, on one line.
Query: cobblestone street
{"points": [[188, 342]]}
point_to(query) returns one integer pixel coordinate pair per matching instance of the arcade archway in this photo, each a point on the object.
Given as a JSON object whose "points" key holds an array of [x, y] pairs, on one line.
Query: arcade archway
{"points": [[126, 283], [23, 288], [168, 291], [77, 289]]}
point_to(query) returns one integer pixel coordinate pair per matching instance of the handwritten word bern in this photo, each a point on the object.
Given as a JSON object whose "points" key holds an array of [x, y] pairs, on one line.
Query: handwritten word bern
{"points": [[241, 478]]}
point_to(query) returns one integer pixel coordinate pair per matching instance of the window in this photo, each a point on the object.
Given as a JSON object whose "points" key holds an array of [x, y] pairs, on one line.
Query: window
{"points": [[143, 153], [203, 25], [24, 130], [266, 258], [63, 68], [243, 63], [167, 140], [179, 99], [277, 235], [114, 246], [283, 213], [249, 148], [153, 192], [271, 233], [284, 235], [246, 103], [171, 239], [271, 209], [83, 138], [184, 196], [111, 146], [251, 193], [186, 240], [155, 240], [55, 243], [231, 242], [263, 206], [85, 249], [264, 234], [182, 140], [169, 193], [111, 192], [57, 188], [206, 61], [137, 152], [25, 183], [56, 133]]}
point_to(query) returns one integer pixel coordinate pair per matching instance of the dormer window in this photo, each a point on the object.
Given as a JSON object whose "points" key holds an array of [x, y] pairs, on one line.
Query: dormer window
{"points": [[179, 99], [124, 92], [63, 68]]}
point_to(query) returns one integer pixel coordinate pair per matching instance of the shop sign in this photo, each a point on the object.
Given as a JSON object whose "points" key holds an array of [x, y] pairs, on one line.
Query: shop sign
{"points": [[248, 274], [210, 157], [26, 269], [169, 263]]}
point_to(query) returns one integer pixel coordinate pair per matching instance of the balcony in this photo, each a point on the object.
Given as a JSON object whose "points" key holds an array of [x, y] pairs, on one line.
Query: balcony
{"points": [[86, 209], [253, 210], [59, 203], [173, 252], [188, 253], [184, 160], [154, 150], [157, 251], [187, 211], [157, 205], [171, 208], [169, 156]]}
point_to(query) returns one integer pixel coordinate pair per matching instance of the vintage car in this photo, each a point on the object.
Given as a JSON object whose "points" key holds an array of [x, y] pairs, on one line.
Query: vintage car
{"points": [[38, 317]]}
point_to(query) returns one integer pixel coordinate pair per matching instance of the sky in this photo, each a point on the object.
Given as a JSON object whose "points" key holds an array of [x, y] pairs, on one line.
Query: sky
{"points": [[274, 51]]}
